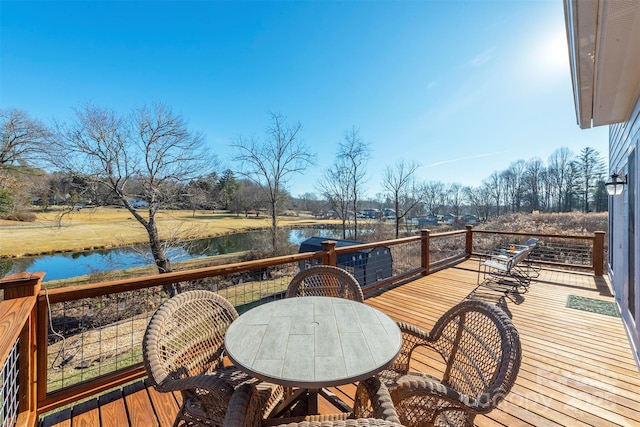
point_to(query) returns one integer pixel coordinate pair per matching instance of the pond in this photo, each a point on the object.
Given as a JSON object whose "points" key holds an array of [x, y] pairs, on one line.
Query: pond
{"points": [[64, 266]]}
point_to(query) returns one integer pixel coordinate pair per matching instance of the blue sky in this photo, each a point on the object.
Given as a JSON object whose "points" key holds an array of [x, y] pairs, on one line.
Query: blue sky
{"points": [[463, 87]]}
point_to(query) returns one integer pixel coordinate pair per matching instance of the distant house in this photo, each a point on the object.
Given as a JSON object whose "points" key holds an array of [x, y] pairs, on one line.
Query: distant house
{"points": [[372, 213], [469, 219], [604, 54], [449, 218], [139, 203], [427, 220]]}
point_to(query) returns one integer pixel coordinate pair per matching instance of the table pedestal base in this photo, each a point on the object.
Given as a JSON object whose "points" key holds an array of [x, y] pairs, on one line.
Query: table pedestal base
{"points": [[310, 397]]}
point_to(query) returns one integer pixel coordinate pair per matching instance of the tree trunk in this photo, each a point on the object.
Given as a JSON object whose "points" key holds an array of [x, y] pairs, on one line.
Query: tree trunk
{"points": [[274, 226], [397, 206], [355, 215], [162, 262]]}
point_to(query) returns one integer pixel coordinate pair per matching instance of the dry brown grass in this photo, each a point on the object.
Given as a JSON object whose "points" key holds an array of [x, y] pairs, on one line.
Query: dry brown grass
{"points": [[572, 223], [107, 227]]}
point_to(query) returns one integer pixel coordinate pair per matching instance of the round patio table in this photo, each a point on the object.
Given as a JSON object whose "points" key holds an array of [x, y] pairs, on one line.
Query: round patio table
{"points": [[312, 343]]}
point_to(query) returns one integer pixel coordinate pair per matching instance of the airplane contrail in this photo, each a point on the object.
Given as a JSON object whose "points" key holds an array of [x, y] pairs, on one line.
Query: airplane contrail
{"points": [[444, 162]]}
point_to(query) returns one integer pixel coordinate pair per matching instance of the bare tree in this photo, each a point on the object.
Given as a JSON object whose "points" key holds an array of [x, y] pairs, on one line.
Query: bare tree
{"points": [[546, 201], [572, 187], [512, 180], [559, 175], [433, 194], [479, 199], [197, 195], [24, 140], [309, 202], [494, 183], [247, 197], [341, 185], [23, 144], [355, 154], [272, 161], [455, 195], [152, 147], [335, 186], [399, 183], [533, 183]]}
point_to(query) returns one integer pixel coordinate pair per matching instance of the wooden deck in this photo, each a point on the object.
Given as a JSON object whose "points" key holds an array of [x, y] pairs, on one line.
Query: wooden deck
{"points": [[577, 367]]}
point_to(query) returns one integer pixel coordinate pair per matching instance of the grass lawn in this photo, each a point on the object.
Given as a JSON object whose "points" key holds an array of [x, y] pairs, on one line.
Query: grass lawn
{"points": [[108, 227]]}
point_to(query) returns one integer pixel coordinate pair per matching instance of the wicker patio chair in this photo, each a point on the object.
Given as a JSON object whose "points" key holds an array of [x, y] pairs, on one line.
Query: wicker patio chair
{"points": [[325, 280], [480, 352], [372, 407], [183, 351]]}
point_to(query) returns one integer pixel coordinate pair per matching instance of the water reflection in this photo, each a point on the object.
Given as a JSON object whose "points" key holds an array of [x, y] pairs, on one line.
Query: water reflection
{"points": [[63, 266]]}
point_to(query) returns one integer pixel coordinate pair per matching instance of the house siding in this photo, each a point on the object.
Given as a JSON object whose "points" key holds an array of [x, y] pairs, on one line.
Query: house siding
{"points": [[621, 138], [624, 138]]}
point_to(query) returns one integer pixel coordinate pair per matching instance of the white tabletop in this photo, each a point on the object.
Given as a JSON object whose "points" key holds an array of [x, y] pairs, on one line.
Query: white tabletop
{"points": [[313, 342]]}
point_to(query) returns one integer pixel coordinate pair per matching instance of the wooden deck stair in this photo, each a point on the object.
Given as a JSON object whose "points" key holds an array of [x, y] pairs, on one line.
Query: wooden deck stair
{"points": [[577, 367]]}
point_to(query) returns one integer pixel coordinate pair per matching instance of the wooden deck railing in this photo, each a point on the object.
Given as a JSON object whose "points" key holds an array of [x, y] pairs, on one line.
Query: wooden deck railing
{"points": [[568, 251], [34, 320], [18, 349]]}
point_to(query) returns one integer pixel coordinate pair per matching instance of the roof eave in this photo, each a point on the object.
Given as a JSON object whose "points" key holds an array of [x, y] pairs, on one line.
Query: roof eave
{"points": [[604, 56]]}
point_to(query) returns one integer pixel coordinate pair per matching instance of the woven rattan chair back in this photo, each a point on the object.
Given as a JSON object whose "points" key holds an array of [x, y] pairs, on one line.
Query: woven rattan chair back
{"points": [[481, 349], [325, 280], [185, 336]]}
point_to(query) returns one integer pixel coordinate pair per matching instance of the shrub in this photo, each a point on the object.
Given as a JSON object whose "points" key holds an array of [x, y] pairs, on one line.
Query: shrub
{"points": [[6, 203], [20, 216]]}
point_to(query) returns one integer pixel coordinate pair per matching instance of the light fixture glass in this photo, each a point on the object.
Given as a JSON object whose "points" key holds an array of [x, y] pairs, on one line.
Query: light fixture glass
{"points": [[615, 186]]}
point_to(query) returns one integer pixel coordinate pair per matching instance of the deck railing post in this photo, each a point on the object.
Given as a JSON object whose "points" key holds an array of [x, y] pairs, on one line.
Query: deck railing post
{"points": [[329, 257], [15, 286], [21, 285], [598, 253], [468, 246], [424, 235]]}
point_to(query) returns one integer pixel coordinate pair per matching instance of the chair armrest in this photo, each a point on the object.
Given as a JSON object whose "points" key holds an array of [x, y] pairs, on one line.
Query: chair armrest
{"points": [[437, 398], [208, 382], [412, 337], [373, 400], [244, 408]]}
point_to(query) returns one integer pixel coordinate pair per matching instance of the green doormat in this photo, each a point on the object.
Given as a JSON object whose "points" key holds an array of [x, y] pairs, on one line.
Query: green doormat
{"points": [[593, 305]]}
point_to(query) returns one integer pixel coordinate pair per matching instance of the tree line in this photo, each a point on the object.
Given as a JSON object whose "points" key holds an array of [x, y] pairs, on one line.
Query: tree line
{"points": [[149, 159], [567, 182]]}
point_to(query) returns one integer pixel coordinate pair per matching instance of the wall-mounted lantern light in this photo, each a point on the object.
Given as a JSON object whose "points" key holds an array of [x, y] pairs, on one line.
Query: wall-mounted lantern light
{"points": [[615, 185]]}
